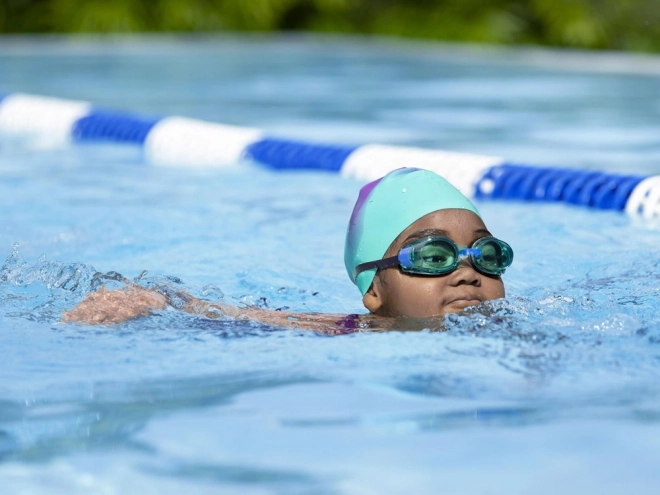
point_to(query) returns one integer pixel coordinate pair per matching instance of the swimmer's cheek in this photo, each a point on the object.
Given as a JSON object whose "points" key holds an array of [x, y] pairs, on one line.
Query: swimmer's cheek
{"points": [[110, 307]]}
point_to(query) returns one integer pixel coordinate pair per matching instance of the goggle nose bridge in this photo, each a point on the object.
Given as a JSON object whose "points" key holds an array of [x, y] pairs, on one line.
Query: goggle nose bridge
{"points": [[467, 252]]}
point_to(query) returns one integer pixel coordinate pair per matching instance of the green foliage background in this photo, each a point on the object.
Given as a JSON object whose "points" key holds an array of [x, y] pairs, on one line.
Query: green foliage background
{"points": [[606, 24]]}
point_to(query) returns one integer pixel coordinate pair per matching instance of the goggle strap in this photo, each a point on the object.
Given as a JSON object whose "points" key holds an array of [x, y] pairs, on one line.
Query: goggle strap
{"points": [[378, 265]]}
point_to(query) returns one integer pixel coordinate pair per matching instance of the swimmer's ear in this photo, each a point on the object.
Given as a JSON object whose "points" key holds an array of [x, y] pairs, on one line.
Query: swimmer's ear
{"points": [[374, 298]]}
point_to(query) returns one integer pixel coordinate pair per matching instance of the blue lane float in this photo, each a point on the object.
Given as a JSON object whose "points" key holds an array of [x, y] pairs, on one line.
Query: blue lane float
{"points": [[283, 154], [183, 142], [581, 187], [104, 125]]}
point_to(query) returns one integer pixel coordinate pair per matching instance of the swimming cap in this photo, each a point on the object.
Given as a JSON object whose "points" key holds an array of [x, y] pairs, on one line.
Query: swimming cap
{"points": [[388, 206]]}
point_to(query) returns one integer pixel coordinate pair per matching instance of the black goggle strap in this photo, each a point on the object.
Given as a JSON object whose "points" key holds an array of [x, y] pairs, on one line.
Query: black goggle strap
{"points": [[378, 265]]}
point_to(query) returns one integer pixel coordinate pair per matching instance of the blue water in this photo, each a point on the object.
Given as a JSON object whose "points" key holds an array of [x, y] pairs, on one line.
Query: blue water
{"points": [[558, 392]]}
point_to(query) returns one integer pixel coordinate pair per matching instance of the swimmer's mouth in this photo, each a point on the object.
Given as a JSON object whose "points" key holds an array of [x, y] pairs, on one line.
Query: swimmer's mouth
{"points": [[464, 301]]}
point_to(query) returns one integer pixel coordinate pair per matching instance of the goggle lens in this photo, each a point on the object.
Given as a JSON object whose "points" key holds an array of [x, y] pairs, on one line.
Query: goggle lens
{"points": [[434, 256], [496, 256]]}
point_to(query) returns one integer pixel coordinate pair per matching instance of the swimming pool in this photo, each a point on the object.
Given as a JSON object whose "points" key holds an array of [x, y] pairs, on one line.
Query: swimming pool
{"points": [[558, 392]]}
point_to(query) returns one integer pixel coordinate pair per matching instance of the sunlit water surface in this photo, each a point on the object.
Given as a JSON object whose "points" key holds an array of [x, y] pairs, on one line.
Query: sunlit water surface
{"points": [[557, 392]]}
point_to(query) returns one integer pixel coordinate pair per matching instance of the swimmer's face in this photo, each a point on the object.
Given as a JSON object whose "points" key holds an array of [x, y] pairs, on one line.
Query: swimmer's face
{"points": [[394, 293]]}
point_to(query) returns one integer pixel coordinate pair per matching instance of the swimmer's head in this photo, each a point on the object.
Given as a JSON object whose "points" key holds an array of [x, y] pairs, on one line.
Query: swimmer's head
{"points": [[390, 213]]}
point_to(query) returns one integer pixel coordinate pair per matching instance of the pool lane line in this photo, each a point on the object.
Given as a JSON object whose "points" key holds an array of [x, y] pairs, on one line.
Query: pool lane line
{"points": [[184, 142]]}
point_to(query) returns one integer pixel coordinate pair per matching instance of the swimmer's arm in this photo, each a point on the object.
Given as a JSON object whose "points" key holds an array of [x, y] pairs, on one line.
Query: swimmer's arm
{"points": [[117, 306], [319, 322]]}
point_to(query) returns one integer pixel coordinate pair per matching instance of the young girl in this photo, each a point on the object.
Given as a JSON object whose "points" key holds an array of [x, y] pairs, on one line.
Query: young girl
{"points": [[415, 247]]}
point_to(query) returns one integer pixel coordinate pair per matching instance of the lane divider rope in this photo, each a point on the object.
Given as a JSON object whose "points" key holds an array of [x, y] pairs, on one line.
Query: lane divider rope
{"points": [[184, 142]]}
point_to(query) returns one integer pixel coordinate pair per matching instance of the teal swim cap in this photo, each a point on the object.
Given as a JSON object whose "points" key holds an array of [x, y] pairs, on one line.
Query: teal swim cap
{"points": [[388, 206]]}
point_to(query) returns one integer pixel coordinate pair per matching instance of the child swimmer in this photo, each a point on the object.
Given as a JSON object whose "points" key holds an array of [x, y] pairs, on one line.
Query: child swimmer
{"points": [[415, 247]]}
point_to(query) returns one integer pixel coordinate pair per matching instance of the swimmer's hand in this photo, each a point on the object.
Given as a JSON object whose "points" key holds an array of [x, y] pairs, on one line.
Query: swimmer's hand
{"points": [[105, 307], [116, 306]]}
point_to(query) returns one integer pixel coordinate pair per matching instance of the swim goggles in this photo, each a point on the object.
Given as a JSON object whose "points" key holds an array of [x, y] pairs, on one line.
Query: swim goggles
{"points": [[440, 255]]}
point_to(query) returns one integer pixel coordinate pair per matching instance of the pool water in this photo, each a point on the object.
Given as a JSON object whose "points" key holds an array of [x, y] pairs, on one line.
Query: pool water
{"points": [[556, 392]]}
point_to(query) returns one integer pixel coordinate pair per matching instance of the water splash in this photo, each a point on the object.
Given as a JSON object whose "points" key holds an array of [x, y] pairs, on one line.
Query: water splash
{"points": [[42, 291]]}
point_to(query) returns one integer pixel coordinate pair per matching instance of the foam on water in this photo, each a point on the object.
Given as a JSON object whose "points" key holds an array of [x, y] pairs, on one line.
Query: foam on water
{"points": [[553, 389]]}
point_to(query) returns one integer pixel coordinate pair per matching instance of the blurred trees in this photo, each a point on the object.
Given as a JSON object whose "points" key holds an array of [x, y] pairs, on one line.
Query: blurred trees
{"points": [[610, 24]]}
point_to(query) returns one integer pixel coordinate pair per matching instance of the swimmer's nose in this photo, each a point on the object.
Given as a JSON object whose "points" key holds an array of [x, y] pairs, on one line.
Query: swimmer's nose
{"points": [[465, 274]]}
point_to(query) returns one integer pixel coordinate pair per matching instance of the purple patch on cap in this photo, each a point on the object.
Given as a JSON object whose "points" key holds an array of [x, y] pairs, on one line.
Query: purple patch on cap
{"points": [[362, 198], [354, 224]]}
